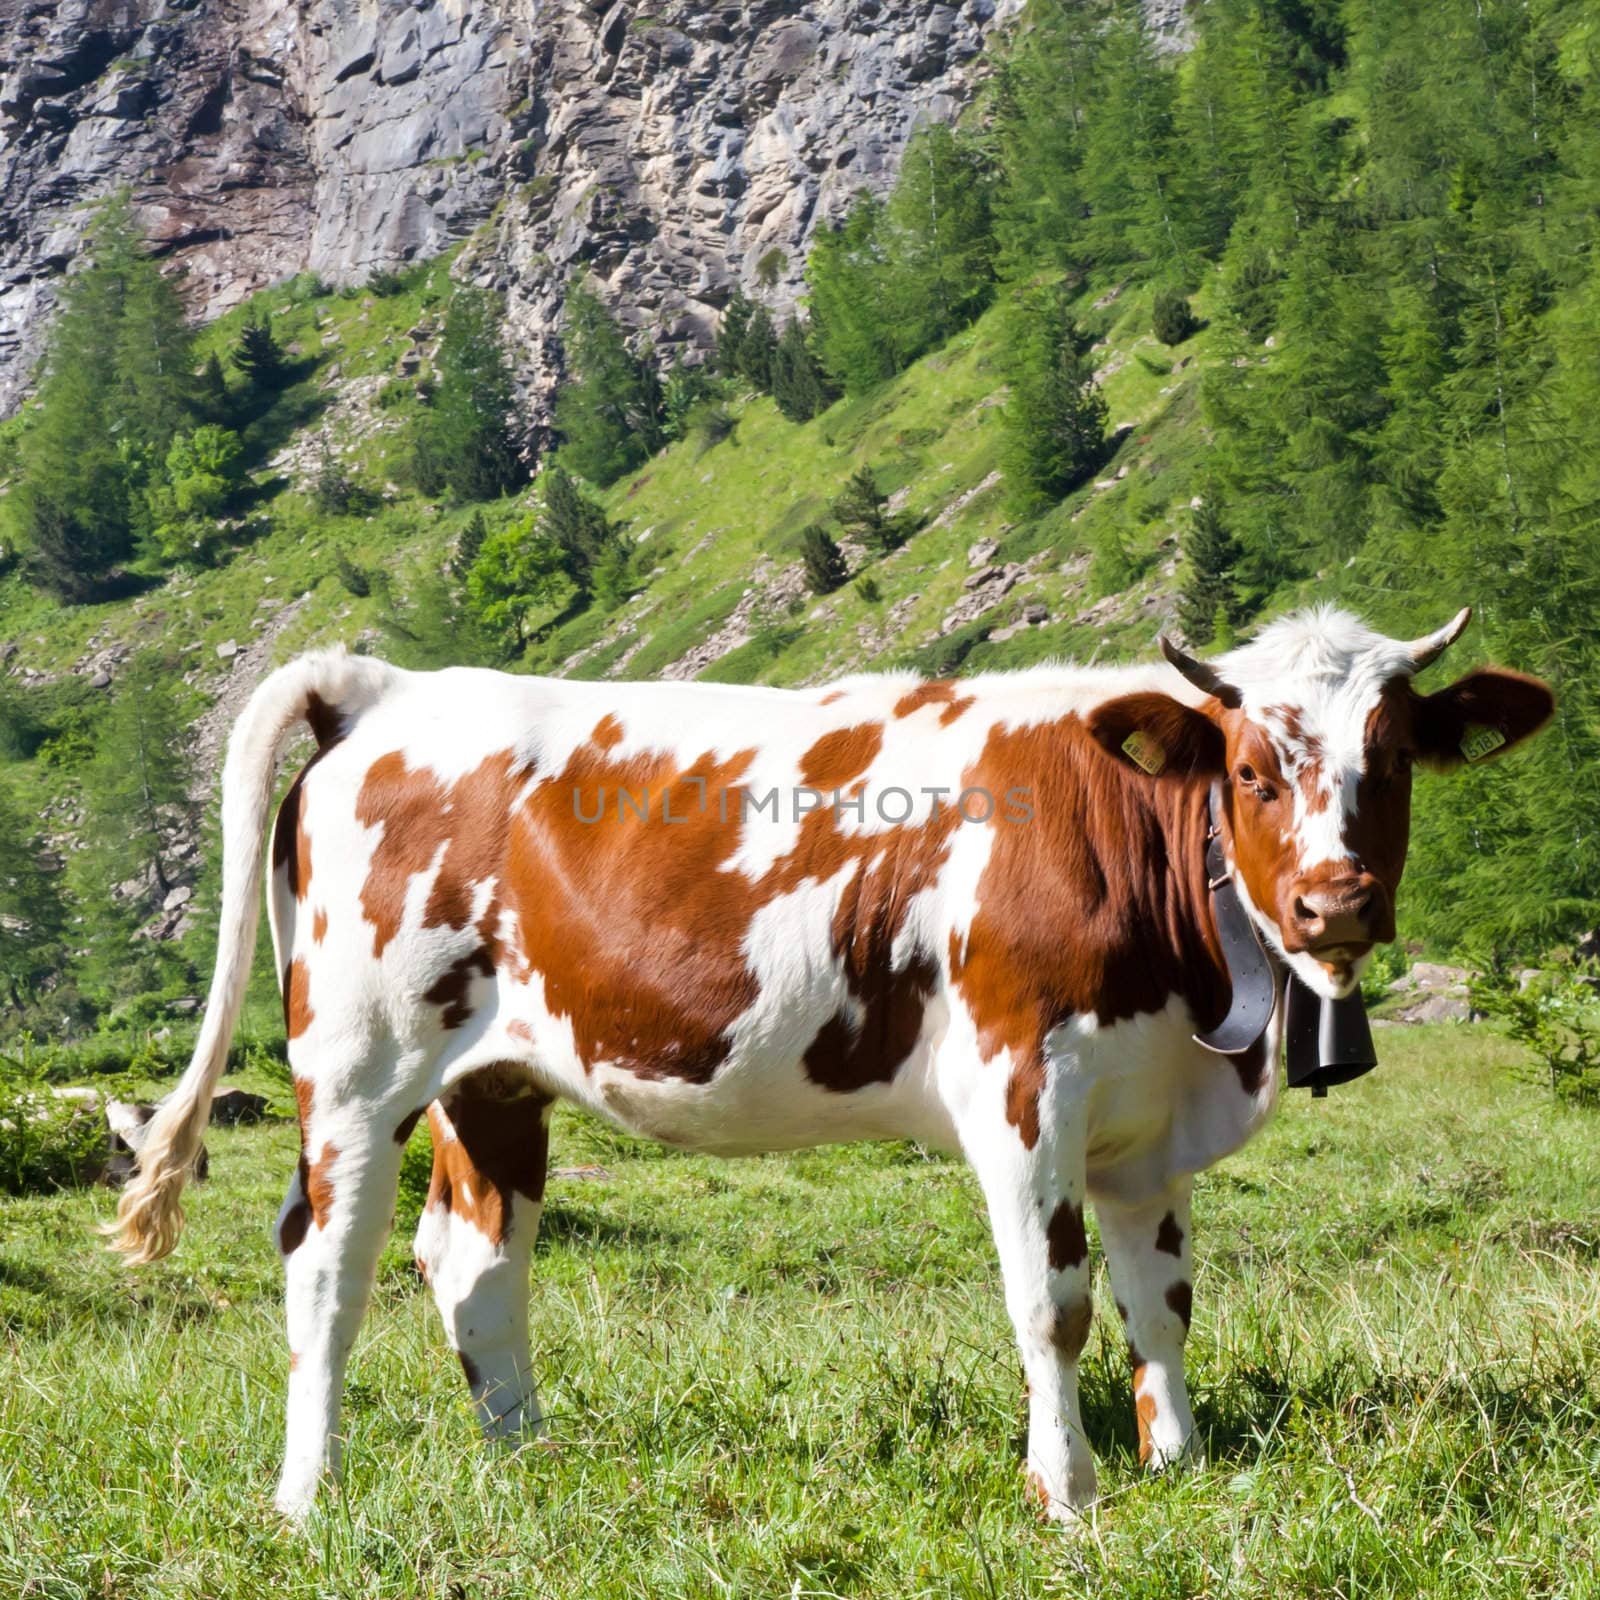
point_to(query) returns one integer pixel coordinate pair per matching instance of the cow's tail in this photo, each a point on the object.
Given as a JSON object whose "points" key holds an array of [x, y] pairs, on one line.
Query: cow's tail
{"points": [[329, 690]]}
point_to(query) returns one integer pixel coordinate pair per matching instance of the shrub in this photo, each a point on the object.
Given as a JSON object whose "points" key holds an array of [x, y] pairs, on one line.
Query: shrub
{"points": [[710, 422], [825, 568], [384, 284], [1172, 321], [46, 1142], [1557, 1015], [355, 580], [335, 487]]}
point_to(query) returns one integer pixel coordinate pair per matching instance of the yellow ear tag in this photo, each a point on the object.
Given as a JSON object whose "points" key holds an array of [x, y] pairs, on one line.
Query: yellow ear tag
{"points": [[1479, 741], [1144, 752]]}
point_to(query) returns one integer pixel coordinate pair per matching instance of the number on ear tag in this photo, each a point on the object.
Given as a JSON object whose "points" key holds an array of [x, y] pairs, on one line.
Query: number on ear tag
{"points": [[1144, 752], [1480, 740]]}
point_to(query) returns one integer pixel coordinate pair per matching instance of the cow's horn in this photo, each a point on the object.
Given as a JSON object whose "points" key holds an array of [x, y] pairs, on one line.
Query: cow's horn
{"points": [[1426, 650], [1199, 674]]}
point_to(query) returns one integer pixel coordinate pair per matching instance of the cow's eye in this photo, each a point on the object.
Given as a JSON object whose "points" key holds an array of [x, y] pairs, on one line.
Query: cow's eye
{"points": [[1248, 779]]}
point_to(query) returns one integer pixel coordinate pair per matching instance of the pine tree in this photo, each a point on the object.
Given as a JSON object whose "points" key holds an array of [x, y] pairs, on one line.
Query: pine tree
{"points": [[1130, 159], [941, 240], [608, 413], [1046, 90], [259, 356], [520, 572], [1171, 319], [757, 348], [824, 562], [470, 543], [862, 511], [1055, 419], [851, 307], [464, 443], [32, 915], [1211, 554], [730, 333], [156, 395], [215, 401], [135, 787], [575, 525], [117, 384], [797, 382]]}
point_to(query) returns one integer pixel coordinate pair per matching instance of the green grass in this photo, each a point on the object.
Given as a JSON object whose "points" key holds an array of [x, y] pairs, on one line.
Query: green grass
{"points": [[794, 1376]]}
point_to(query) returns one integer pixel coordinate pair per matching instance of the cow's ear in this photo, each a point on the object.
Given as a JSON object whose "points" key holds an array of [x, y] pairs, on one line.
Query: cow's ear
{"points": [[1479, 717], [1160, 736]]}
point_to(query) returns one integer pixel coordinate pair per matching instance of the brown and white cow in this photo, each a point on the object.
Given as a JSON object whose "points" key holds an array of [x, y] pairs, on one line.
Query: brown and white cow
{"points": [[747, 919]]}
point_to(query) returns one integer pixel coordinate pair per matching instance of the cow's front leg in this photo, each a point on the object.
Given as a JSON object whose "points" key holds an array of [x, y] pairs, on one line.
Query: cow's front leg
{"points": [[1033, 1181], [1147, 1250]]}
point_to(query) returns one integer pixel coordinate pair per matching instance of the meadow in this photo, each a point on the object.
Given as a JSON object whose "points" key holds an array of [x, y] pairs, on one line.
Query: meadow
{"points": [[793, 1376]]}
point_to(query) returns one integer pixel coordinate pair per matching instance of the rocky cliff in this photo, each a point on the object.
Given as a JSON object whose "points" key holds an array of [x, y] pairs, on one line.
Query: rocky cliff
{"points": [[673, 149]]}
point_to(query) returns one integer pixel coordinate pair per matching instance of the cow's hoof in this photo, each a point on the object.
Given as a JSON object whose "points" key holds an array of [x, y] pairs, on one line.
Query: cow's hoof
{"points": [[1064, 1513], [1189, 1457], [295, 1502]]}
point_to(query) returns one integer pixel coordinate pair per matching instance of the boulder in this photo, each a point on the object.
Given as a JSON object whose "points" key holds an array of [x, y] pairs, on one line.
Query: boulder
{"points": [[1437, 1007]]}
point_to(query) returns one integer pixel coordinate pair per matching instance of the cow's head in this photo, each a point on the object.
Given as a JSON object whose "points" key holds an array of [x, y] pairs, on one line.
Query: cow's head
{"points": [[1313, 730]]}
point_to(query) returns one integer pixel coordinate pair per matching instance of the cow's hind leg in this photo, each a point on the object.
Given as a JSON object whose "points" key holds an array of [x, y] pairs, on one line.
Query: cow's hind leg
{"points": [[475, 1239], [1032, 1172], [331, 1232], [1147, 1250]]}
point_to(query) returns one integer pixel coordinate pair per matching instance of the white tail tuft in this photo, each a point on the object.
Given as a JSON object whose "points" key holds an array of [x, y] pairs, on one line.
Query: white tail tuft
{"points": [[149, 1217]]}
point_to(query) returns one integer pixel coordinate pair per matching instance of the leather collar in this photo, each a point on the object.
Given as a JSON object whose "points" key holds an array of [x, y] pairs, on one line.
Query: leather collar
{"points": [[1325, 1041]]}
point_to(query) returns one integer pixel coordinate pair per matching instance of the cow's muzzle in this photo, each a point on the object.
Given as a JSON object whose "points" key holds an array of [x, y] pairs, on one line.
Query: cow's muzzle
{"points": [[1346, 915]]}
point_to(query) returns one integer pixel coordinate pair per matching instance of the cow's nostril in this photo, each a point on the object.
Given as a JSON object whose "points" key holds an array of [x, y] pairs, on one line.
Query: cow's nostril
{"points": [[1303, 912]]}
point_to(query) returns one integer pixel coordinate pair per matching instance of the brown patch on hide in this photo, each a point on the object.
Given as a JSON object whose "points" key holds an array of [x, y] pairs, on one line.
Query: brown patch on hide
{"points": [[469, 820], [1111, 855], [664, 1007], [291, 844], [839, 756], [938, 692], [1180, 1301], [1145, 1409], [297, 1012], [452, 988], [1069, 1245], [319, 1184], [1070, 1332], [489, 1145]]}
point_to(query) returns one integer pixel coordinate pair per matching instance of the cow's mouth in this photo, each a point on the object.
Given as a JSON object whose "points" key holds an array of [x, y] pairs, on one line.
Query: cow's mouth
{"points": [[1338, 960]]}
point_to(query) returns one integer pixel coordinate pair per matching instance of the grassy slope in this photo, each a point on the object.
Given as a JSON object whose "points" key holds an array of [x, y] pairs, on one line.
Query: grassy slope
{"points": [[794, 1376], [933, 433], [706, 519]]}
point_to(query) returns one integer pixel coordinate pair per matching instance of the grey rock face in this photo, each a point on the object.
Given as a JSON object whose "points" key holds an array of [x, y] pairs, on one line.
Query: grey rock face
{"points": [[671, 150]]}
